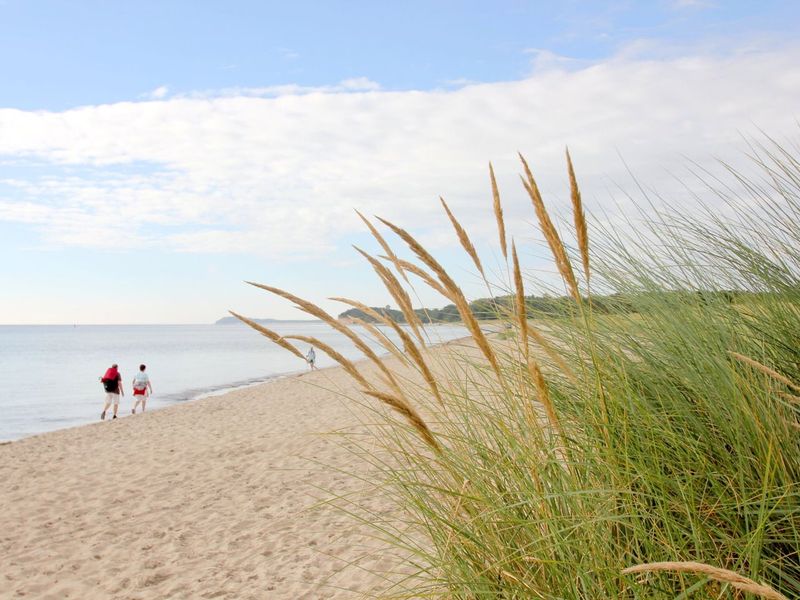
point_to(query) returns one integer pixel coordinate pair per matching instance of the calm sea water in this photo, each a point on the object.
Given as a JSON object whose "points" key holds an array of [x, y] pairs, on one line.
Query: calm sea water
{"points": [[49, 373]]}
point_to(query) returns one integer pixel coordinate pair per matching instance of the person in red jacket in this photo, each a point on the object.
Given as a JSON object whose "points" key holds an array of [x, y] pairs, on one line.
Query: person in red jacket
{"points": [[112, 383]]}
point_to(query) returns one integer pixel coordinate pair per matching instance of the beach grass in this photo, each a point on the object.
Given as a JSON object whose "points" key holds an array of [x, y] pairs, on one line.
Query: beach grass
{"points": [[646, 451]]}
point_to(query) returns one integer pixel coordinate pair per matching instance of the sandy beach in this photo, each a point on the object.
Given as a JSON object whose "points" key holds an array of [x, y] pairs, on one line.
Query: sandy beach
{"points": [[216, 498]]}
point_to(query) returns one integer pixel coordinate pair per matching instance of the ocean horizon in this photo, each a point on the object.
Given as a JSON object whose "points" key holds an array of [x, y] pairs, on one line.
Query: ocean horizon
{"points": [[50, 373]]}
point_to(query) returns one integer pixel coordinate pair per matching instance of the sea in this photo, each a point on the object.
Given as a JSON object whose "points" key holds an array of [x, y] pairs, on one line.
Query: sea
{"points": [[50, 374]]}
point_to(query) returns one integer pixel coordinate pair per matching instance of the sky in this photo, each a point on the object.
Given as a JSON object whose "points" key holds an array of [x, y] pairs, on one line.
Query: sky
{"points": [[155, 155]]}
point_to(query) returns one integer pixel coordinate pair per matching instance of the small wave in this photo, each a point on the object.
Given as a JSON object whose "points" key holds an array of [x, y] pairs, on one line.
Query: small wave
{"points": [[219, 390]]}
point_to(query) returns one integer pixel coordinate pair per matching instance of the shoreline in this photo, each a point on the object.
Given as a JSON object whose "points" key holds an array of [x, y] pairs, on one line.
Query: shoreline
{"points": [[190, 395], [227, 496]]}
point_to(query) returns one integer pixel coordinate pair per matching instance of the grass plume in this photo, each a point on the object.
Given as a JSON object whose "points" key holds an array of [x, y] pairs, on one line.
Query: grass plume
{"points": [[453, 290], [409, 413], [722, 575], [579, 217], [425, 276], [269, 334], [550, 233], [463, 238], [316, 311], [772, 373], [399, 294], [386, 247], [498, 213]]}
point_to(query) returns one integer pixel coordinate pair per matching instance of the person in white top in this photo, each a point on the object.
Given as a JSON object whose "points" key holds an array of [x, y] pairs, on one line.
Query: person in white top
{"points": [[311, 358], [142, 388]]}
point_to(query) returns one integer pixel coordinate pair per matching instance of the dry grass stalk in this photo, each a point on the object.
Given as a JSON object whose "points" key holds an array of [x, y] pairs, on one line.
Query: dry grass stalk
{"points": [[766, 370], [422, 274], [398, 293], [455, 513], [550, 233], [346, 364], [498, 213], [544, 394], [456, 295], [405, 409], [522, 317], [551, 352], [362, 307], [404, 337], [466, 243], [316, 311], [269, 334], [379, 336], [386, 248], [416, 356], [581, 230], [722, 575], [789, 397]]}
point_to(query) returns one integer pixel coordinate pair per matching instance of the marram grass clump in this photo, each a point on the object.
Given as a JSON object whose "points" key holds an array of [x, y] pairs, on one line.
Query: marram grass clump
{"points": [[651, 452]]}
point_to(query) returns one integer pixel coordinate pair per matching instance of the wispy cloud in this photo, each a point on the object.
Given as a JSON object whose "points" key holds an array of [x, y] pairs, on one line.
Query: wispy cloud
{"points": [[277, 171], [354, 84], [157, 94]]}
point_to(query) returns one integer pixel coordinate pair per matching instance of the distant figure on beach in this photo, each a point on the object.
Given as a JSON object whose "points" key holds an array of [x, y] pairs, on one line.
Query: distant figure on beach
{"points": [[112, 383], [142, 388], [311, 358]]}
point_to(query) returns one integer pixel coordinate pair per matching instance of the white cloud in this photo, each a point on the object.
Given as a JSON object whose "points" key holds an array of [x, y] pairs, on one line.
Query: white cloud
{"points": [[355, 84], [160, 92], [277, 171]]}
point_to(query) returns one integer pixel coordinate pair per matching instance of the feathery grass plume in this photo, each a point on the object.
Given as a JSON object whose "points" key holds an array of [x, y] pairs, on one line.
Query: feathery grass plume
{"points": [[408, 343], [386, 248], [405, 409], [314, 310], [466, 243], [422, 274], [581, 230], [765, 369], [543, 392], [346, 364], [550, 232], [522, 317], [269, 334], [380, 337], [715, 573], [416, 356], [398, 293], [498, 213], [455, 293]]}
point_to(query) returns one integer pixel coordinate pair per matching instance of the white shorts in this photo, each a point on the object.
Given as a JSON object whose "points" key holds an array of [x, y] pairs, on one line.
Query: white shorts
{"points": [[112, 398]]}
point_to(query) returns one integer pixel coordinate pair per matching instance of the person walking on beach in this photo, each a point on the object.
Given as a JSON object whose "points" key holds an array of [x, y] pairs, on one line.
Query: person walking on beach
{"points": [[311, 358], [112, 383], [142, 388]]}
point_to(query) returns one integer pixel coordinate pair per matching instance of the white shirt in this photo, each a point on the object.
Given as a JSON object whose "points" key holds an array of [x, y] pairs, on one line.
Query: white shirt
{"points": [[140, 380]]}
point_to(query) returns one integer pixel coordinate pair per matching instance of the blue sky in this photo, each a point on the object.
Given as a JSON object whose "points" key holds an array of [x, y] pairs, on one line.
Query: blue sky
{"points": [[155, 154], [61, 54]]}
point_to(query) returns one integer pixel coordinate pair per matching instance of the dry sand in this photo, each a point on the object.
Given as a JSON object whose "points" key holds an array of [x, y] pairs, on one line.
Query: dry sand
{"points": [[217, 498]]}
